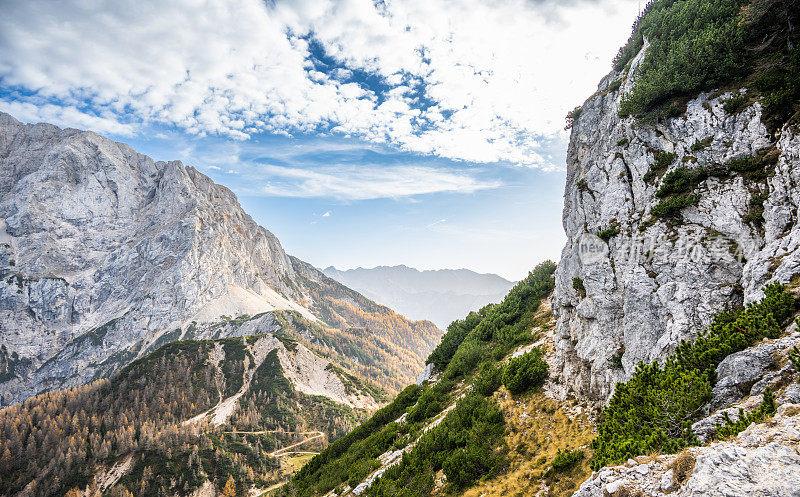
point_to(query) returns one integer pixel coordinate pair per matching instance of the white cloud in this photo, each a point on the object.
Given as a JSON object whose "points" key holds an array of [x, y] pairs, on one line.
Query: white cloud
{"points": [[363, 183], [497, 76], [327, 214], [66, 116]]}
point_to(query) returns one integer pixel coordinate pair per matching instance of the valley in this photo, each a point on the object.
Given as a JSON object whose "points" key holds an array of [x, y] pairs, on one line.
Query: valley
{"points": [[157, 341]]}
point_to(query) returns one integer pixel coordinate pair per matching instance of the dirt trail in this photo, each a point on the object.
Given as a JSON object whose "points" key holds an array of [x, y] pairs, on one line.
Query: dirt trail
{"points": [[284, 451], [257, 492]]}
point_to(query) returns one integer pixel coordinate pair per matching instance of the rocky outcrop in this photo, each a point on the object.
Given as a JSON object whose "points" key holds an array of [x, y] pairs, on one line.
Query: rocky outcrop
{"points": [[106, 254], [763, 460], [634, 293]]}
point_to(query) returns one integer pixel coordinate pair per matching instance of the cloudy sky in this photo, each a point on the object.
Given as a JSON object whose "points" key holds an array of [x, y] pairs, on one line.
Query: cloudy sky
{"points": [[361, 132]]}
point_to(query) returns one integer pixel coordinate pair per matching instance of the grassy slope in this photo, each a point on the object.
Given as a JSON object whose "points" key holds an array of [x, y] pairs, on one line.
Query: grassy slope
{"points": [[520, 447]]}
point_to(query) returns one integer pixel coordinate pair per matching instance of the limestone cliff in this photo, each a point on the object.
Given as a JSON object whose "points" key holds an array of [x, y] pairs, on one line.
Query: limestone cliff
{"points": [[648, 280], [106, 254]]}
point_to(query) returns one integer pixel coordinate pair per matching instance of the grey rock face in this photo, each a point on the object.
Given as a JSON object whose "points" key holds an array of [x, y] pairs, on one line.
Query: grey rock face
{"points": [[104, 249], [105, 253], [764, 460], [752, 370], [651, 285]]}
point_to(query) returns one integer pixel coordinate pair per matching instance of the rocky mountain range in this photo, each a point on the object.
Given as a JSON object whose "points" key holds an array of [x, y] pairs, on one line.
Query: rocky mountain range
{"points": [[660, 356], [106, 254], [441, 296]]}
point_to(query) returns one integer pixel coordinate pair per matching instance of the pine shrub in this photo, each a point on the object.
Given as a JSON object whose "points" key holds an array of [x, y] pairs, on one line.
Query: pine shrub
{"points": [[653, 411], [525, 372]]}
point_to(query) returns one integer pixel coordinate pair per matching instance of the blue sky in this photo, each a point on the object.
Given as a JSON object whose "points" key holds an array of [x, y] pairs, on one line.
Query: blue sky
{"points": [[427, 133]]}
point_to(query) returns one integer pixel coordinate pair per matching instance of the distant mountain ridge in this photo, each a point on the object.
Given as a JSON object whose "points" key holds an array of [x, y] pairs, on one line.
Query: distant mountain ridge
{"points": [[441, 295]]}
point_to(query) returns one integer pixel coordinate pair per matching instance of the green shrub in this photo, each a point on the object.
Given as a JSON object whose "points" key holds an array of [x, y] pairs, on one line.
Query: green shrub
{"points": [[614, 85], [488, 379], [701, 144], [671, 208], [693, 44], [755, 213], [662, 161], [582, 185], [735, 103], [698, 45], [622, 142], [525, 372], [430, 403], [731, 427], [577, 284], [794, 358], [462, 445], [781, 88], [745, 164], [574, 114], [341, 459], [506, 325], [607, 233], [566, 460], [456, 332], [469, 354], [681, 181], [653, 411]]}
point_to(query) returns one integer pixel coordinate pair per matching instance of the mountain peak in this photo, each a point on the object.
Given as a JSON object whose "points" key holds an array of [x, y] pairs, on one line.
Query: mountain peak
{"points": [[106, 253]]}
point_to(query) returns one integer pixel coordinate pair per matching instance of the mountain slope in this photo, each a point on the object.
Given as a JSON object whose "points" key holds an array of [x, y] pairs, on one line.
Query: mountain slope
{"points": [[105, 254], [167, 423], [478, 423], [441, 296]]}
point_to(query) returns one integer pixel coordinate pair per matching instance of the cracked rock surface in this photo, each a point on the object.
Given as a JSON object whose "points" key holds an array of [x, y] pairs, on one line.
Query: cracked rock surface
{"points": [[654, 283], [763, 460]]}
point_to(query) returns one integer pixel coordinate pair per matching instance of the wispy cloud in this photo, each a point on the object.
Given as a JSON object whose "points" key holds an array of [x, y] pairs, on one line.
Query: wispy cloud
{"points": [[327, 214], [473, 80], [363, 183]]}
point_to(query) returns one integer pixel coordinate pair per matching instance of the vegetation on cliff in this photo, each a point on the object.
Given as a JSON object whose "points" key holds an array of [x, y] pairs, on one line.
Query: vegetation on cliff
{"points": [[653, 411], [466, 442], [700, 45]]}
